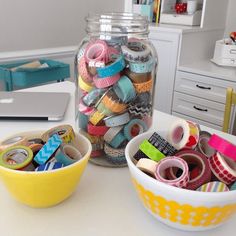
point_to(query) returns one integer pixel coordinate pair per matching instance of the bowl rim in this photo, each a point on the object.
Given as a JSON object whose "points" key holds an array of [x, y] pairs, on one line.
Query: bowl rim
{"points": [[37, 132], [229, 194]]}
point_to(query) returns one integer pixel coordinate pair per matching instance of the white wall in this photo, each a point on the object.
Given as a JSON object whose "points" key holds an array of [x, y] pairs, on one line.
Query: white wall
{"points": [[35, 24], [231, 18]]}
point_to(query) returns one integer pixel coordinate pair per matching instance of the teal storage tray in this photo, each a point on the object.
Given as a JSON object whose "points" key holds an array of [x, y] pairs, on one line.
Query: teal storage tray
{"points": [[23, 78]]}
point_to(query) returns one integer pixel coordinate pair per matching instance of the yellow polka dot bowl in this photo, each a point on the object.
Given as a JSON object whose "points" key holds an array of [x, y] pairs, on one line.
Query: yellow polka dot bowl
{"points": [[179, 208], [46, 188]]}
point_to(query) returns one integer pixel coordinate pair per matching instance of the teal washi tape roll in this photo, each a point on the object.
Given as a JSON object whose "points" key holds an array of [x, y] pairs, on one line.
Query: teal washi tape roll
{"points": [[83, 121], [112, 69], [134, 128], [93, 96], [117, 140], [48, 150], [124, 89], [142, 67], [67, 154]]}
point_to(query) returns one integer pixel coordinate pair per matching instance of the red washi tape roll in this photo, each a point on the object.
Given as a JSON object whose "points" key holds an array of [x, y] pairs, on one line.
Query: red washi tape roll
{"points": [[223, 168], [223, 146], [97, 130], [170, 162], [201, 164]]}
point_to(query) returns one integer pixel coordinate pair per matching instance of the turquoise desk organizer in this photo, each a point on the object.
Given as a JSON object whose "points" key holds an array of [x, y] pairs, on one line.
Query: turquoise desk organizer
{"points": [[23, 78]]}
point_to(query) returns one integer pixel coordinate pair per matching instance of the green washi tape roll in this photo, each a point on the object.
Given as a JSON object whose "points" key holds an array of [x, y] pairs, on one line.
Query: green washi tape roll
{"points": [[149, 150]]}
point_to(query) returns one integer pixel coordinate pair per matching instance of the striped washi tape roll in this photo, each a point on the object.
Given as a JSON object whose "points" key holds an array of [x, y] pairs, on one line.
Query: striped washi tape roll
{"points": [[65, 132], [213, 187], [49, 166], [47, 150]]}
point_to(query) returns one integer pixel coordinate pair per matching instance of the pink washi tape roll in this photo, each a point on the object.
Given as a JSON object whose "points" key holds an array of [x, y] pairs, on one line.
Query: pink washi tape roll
{"points": [[97, 130], [96, 53], [223, 168], [83, 70], [106, 82], [85, 109], [148, 166], [170, 162], [198, 160], [223, 146], [183, 134]]}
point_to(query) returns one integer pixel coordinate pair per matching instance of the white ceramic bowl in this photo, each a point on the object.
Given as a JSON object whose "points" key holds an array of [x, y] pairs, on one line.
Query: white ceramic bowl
{"points": [[180, 208]]}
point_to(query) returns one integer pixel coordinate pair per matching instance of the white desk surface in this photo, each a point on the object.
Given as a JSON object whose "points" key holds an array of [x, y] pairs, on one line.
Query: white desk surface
{"points": [[105, 203]]}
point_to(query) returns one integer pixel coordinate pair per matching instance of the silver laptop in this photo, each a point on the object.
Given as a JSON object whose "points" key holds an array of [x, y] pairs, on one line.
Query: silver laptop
{"points": [[33, 105]]}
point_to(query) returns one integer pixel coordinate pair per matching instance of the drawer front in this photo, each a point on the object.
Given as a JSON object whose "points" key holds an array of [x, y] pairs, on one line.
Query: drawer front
{"points": [[198, 108], [200, 122], [202, 86]]}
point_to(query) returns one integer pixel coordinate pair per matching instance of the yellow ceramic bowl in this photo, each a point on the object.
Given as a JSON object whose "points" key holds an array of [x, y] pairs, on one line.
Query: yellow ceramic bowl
{"points": [[179, 208], [45, 189]]}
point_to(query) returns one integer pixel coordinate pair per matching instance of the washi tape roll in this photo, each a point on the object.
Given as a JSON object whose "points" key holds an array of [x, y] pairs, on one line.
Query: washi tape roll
{"points": [[83, 121], [16, 157], [213, 187], [124, 89], [136, 51], [118, 140], [83, 70], [112, 132], [35, 141], [198, 160], [142, 99], [203, 146], [35, 147], [233, 187], [86, 110], [121, 160], [96, 117], [65, 132], [138, 77], [47, 151], [140, 110], [183, 135], [104, 110], [114, 68], [67, 154], [49, 166], [14, 141], [87, 87], [117, 120], [144, 86], [97, 153], [223, 146], [147, 166], [223, 168], [97, 130], [96, 53], [142, 67], [93, 96], [106, 82], [172, 162], [134, 128], [114, 152]]}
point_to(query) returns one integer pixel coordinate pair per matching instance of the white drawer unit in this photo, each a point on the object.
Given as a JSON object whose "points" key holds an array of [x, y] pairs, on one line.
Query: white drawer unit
{"points": [[200, 122], [202, 86], [198, 108]]}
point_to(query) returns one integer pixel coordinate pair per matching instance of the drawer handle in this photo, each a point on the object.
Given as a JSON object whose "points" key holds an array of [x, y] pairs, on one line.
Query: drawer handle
{"points": [[200, 109], [202, 87]]}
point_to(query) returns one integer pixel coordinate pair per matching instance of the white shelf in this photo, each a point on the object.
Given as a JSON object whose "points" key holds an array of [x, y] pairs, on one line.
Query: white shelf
{"points": [[208, 68]]}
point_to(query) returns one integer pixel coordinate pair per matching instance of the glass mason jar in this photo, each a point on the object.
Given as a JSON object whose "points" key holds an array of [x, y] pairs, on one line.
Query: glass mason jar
{"points": [[115, 69]]}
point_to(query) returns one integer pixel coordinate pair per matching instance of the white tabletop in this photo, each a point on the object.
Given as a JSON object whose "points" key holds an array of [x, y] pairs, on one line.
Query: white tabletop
{"points": [[105, 203]]}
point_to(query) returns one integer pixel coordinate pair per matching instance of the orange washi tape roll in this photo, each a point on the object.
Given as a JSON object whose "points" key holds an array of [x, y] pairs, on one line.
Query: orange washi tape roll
{"points": [[143, 87], [113, 105]]}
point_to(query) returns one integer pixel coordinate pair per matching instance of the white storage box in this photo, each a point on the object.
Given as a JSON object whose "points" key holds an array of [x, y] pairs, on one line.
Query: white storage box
{"points": [[225, 54], [181, 19]]}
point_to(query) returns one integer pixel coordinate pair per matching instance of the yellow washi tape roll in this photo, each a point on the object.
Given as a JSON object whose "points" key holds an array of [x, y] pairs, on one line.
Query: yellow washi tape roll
{"points": [[13, 141], [96, 117], [85, 86], [65, 132], [16, 157]]}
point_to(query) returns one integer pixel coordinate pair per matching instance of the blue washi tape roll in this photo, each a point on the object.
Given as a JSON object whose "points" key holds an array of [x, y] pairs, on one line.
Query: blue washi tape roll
{"points": [[83, 121], [117, 140], [112, 69], [48, 149], [233, 187], [113, 121], [139, 127], [93, 96], [142, 67], [49, 166], [67, 154], [124, 89]]}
